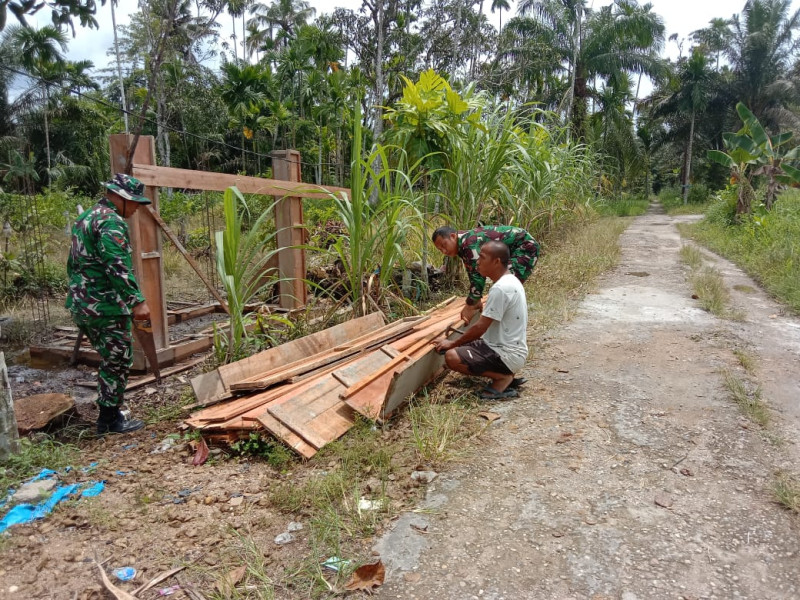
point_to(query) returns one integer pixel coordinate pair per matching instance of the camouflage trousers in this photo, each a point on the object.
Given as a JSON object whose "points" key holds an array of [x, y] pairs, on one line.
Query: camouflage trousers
{"points": [[112, 338], [523, 260]]}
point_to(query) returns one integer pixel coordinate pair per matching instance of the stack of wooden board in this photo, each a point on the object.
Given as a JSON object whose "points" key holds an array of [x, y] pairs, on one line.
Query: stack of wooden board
{"points": [[306, 392]]}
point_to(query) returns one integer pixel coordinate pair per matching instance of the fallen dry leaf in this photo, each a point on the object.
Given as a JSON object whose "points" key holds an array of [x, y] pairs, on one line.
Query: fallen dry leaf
{"points": [[227, 584], [564, 437], [201, 455], [367, 577], [489, 415]]}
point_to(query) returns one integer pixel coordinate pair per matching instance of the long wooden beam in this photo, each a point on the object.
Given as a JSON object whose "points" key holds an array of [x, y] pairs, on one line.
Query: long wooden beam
{"points": [[203, 180]]}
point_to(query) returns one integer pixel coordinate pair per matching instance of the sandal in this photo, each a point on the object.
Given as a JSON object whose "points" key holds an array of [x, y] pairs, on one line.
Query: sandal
{"points": [[489, 393], [517, 382]]}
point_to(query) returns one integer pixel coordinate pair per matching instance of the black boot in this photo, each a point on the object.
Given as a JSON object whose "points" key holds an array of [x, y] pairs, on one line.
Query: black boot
{"points": [[111, 420]]}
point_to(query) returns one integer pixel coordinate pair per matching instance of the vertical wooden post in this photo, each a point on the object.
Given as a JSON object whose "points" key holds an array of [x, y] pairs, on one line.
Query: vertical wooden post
{"points": [[9, 436], [146, 241], [290, 232]]}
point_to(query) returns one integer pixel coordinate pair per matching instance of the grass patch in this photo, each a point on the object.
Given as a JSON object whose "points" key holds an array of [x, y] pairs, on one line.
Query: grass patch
{"points": [[708, 286], [747, 360], [786, 491], [691, 256], [765, 245], [436, 425], [749, 401], [33, 457], [626, 206], [569, 267]]}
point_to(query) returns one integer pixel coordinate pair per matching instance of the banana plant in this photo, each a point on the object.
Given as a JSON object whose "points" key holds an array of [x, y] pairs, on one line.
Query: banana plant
{"points": [[751, 152]]}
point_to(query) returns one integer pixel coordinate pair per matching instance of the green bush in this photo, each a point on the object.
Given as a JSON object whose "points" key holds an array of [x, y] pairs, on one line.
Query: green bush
{"points": [[699, 194], [765, 244], [623, 206], [54, 208]]}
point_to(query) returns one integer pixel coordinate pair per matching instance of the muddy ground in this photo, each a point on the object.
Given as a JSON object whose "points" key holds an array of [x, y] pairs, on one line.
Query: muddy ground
{"points": [[625, 471]]}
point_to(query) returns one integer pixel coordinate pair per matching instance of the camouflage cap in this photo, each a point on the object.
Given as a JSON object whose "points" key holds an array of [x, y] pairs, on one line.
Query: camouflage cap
{"points": [[127, 187]]}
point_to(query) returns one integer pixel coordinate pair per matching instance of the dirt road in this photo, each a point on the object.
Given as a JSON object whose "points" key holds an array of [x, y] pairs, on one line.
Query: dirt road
{"points": [[625, 471]]}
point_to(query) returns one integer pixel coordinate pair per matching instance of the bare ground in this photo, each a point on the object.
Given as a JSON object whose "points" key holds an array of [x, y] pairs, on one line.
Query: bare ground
{"points": [[626, 409]]}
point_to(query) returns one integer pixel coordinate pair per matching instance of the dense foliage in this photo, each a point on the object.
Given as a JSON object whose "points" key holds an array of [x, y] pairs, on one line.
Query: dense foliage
{"points": [[527, 124]]}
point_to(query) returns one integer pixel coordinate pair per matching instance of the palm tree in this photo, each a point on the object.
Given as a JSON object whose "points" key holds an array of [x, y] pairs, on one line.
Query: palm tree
{"points": [[715, 38], [763, 50], [41, 56], [621, 38], [500, 5], [691, 91], [286, 16]]}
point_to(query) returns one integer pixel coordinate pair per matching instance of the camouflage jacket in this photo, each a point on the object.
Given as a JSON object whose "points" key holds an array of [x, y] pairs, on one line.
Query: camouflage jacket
{"points": [[99, 268], [524, 254]]}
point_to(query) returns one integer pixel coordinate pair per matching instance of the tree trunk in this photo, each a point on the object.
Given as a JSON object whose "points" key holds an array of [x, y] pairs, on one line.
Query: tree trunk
{"points": [[119, 68], [576, 44], [687, 167], [47, 132], [9, 436]]}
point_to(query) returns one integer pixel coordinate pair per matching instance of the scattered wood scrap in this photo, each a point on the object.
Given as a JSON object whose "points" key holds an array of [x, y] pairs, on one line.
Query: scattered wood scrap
{"points": [[306, 393]]}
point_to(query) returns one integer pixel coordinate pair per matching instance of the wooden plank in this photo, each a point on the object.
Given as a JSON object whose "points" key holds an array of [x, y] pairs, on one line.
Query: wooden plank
{"points": [[145, 237], [289, 232], [317, 415], [286, 435], [207, 387], [407, 381], [260, 382], [386, 332], [316, 361], [202, 180], [403, 356], [355, 371]]}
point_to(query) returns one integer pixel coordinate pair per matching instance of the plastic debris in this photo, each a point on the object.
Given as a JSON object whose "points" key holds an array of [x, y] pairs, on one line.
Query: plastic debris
{"points": [[294, 526], [26, 513], [93, 490], [284, 538], [367, 504], [168, 591], [124, 573], [167, 444], [334, 563]]}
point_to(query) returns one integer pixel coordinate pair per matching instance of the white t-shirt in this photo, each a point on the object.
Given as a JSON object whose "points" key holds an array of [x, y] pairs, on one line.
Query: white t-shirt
{"points": [[508, 309]]}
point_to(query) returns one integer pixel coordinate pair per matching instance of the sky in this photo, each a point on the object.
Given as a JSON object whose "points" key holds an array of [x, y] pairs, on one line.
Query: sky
{"points": [[681, 17]]}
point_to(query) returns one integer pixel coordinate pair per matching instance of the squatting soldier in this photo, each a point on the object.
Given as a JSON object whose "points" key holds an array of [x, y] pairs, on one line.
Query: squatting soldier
{"points": [[467, 245], [104, 296]]}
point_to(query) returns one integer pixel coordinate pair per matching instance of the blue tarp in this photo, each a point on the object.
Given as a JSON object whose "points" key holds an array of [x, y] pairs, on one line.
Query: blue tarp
{"points": [[26, 513]]}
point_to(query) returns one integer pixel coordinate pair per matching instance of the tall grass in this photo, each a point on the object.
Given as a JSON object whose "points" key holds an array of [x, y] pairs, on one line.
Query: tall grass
{"points": [[380, 214], [515, 170], [765, 244], [242, 257]]}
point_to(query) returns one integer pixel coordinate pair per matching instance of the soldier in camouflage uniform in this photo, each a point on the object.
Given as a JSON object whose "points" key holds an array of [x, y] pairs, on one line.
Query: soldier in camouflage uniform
{"points": [[467, 245], [104, 296]]}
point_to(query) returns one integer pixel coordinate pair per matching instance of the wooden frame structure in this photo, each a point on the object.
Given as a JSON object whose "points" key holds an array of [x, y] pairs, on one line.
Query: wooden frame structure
{"points": [[147, 227]]}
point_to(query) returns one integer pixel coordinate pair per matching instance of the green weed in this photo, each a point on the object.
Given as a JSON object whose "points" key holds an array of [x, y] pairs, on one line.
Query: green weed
{"points": [[749, 401], [786, 491], [710, 290], [764, 244], [275, 453], [691, 256], [746, 360], [436, 425], [32, 457]]}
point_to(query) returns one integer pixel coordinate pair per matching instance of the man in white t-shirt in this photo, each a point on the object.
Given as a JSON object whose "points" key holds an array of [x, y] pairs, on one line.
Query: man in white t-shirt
{"points": [[496, 345]]}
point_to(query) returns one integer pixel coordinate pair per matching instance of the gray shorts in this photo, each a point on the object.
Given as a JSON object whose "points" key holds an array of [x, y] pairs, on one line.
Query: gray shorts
{"points": [[479, 358]]}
